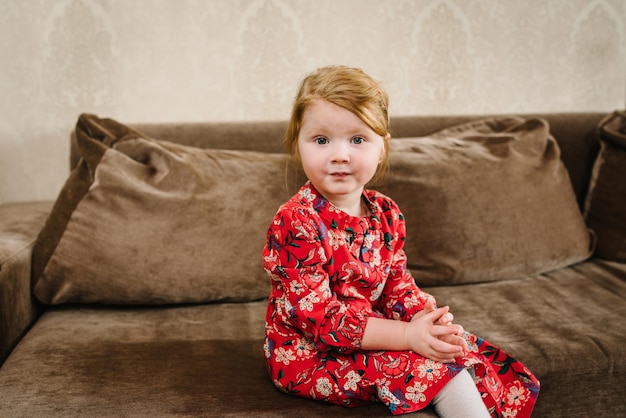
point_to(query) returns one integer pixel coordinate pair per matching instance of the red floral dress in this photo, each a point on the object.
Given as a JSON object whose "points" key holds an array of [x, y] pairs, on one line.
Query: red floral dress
{"points": [[331, 271]]}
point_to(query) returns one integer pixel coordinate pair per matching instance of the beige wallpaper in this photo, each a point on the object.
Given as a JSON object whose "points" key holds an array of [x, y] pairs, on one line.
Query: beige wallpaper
{"points": [[199, 60]]}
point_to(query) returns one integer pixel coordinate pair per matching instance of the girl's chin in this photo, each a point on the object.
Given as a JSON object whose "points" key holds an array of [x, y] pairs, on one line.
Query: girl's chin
{"points": [[339, 190]]}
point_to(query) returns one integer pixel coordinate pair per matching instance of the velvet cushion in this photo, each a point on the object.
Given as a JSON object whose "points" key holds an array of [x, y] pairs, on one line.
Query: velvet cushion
{"points": [[142, 221], [486, 200], [606, 200]]}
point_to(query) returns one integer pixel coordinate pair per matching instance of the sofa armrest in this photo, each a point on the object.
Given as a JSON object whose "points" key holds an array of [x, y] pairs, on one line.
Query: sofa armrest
{"points": [[19, 225]]}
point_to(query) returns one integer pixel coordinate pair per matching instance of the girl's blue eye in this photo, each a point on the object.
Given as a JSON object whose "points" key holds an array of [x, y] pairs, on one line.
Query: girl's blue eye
{"points": [[321, 140], [358, 140]]}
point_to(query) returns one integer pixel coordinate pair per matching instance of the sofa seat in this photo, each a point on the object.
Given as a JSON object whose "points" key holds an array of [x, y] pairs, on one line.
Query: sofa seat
{"points": [[19, 223], [82, 360]]}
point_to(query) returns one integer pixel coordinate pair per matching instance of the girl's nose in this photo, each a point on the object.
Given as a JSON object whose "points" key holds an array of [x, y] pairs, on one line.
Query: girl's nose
{"points": [[340, 154]]}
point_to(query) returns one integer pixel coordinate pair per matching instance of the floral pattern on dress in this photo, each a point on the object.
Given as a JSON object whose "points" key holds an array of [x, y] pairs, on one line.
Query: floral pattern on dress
{"points": [[329, 273]]}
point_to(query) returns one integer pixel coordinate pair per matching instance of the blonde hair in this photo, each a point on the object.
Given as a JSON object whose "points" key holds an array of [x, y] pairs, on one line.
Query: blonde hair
{"points": [[351, 89]]}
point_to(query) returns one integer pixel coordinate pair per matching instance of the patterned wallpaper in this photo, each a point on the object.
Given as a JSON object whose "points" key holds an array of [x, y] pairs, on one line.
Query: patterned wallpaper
{"points": [[205, 60]]}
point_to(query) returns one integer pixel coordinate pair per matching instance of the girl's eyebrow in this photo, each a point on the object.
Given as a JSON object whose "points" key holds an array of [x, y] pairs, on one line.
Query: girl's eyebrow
{"points": [[348, 131]]}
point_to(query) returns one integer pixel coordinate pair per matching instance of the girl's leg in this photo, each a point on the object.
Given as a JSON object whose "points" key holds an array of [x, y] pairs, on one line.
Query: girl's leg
{"points": [[460, 398]]}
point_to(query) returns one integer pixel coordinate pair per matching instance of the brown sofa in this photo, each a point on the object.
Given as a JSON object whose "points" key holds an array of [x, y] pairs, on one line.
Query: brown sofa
{"points": [[151, 303]]}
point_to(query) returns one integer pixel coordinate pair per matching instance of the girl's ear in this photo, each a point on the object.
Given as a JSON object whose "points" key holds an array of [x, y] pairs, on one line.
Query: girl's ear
{"points": [[385, 149]]}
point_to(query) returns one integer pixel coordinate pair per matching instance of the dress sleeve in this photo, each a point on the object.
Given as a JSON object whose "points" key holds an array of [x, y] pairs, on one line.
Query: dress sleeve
{"points": [[297, 257], [401, 297]]}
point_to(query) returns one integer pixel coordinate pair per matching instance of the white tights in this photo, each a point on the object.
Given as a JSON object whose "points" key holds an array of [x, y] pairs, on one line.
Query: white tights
{"points": [[460, 398]]}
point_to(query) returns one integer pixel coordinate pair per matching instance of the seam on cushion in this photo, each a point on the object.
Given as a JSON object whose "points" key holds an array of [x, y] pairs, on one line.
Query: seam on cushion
{"points": [[17, 253]]}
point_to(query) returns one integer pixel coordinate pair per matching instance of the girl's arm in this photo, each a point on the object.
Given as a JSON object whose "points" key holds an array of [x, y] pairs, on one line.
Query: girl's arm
{"points": [[422, 335], [401, 298], [296, 259], [430, 331]]}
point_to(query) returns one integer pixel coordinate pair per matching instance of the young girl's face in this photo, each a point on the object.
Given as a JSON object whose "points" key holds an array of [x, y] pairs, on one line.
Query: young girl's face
{"points": [[339, 152]]}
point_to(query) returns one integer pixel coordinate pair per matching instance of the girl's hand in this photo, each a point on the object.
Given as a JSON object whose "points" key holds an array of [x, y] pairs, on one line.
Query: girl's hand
{"points": [[426, 335], [456, 338], [430, 334], [431, 305]]}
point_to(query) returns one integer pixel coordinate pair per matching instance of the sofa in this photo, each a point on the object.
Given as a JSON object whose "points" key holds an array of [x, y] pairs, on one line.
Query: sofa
{"points": [[140, 290]]}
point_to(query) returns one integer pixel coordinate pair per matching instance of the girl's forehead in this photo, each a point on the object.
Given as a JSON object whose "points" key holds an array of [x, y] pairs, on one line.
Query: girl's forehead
{"points": [[321, 113]]}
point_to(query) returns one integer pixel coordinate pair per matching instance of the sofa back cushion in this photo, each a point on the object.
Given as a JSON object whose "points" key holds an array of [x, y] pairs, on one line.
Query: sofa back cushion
{"points": [[606, 201], [486, 200], [145, 221]]}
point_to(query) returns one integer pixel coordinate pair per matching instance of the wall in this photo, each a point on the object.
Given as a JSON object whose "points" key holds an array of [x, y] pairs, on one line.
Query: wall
{"points": [[195, 60]]}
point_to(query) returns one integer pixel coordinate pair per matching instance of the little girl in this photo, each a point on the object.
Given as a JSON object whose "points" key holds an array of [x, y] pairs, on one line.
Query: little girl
{"points": [[346, 322]]}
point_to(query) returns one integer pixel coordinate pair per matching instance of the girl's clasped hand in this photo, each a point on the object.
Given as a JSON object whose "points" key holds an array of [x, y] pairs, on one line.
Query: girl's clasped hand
{"points": [[432, 334]]}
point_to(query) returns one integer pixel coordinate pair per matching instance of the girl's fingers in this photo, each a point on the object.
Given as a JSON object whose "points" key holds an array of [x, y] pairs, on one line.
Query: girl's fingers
{"points": [[458, 341], [444, 358], [437, 314], [447, 318], [444, 347], [441, 330], [459, 329]]}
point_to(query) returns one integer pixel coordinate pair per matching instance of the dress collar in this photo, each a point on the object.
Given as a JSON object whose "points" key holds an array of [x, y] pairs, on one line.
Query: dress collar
{"points": [[331, 213]]}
